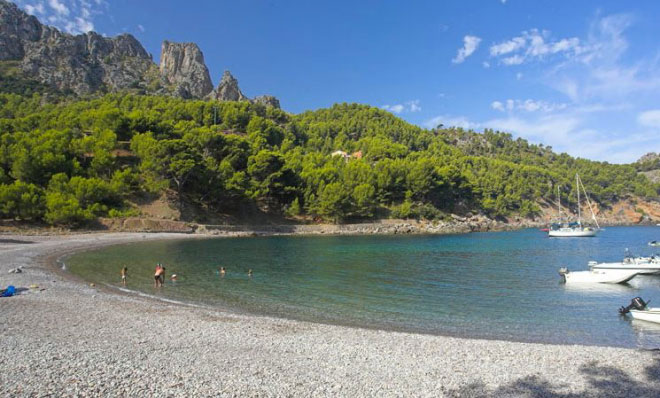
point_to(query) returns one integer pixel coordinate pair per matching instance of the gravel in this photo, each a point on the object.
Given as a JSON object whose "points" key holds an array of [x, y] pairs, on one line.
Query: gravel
{"points": [[62, 337]]}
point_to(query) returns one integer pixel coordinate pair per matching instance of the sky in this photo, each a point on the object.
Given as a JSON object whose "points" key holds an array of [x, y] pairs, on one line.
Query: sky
{"points": [[580, 76]]}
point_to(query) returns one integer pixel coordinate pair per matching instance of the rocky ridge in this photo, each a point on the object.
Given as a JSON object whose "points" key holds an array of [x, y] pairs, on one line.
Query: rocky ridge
{"points": [[182, 65], [90, 63]]}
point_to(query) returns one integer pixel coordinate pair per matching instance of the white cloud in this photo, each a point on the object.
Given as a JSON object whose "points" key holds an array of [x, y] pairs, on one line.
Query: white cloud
{"points": [[531, 45], [508, 46], [650, 118], [34, 9], [71, 16], [408, 106], [528, 105], [470, 44]]}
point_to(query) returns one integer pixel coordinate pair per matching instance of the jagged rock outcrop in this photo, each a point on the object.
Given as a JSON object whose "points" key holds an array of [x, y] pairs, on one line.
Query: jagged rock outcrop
{"points": [[182, 65], [83, 63], [267, 100], [228, 89], [90, 63]]}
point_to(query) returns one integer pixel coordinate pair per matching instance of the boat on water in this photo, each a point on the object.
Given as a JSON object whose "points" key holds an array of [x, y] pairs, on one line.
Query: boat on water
{"points": [[644, 265], [639, 309], [574, 229], [654, 243], [597, 276]]}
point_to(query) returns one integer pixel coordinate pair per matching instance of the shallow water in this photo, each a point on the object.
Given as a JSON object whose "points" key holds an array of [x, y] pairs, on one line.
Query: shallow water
{"points": [[500, 285]]}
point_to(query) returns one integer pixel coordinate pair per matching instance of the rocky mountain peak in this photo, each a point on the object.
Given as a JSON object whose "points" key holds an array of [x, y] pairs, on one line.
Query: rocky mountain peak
{"points": [[182, 65], [228, 89], [267, 100]]}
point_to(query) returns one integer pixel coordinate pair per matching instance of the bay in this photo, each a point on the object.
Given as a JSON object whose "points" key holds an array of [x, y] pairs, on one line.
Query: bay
{"points": [[495, 285]]}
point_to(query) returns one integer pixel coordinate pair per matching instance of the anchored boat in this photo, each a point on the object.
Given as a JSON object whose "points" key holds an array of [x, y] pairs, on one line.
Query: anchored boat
{"points": [[639, 309], [574, 229], [643, 265], [597, 276]]}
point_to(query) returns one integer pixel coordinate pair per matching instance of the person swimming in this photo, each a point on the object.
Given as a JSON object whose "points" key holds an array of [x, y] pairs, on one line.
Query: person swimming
{"points": [[222, 270], [250, 272]]}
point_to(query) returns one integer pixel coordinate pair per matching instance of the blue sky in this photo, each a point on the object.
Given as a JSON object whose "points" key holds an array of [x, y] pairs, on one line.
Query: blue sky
{"points": [[580, 76]]}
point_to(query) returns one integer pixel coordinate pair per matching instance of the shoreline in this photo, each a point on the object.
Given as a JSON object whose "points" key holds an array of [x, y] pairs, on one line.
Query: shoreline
{"points": [[80, 330], [458, 225]]}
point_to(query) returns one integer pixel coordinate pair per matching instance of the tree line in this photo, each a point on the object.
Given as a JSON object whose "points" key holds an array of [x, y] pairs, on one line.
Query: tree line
{"points": [[70, 162]]}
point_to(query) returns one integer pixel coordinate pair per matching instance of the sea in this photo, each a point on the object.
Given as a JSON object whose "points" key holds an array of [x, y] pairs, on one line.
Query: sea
{"points": [[489, 285]]}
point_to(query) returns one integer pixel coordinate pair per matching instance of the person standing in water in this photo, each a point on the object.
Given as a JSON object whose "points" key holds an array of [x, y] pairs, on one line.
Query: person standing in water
{"points": [[222, 271], [123, 273], [157, 276]]}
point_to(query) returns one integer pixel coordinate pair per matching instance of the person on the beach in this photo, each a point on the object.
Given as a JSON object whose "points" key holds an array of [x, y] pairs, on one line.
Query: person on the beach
{"points": [[157, 276], [124, 272], [162, 275]]}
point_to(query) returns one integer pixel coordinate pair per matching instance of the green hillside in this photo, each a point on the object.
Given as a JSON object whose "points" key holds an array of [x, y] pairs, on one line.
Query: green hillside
{"points": [[71, 162]]}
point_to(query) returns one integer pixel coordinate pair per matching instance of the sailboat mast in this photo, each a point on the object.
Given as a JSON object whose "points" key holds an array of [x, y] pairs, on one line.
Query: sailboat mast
{"points": [[558, 205], [577, 185]]}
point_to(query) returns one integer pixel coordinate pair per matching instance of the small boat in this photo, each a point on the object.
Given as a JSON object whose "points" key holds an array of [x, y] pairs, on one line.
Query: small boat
{"points": [[574, 229], [644, 265], [639, 309], [544, 229], [654, 243], [597, 276]]}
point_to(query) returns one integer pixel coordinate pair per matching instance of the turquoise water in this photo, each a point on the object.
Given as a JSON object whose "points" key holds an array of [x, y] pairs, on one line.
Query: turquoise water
{"points": [[500, 285]]}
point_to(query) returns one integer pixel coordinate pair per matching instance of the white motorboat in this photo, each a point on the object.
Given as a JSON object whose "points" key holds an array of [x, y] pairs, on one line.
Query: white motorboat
{"points": [[654, 243], [639, 309], [598, 276], [643, 265], [574, 229]]}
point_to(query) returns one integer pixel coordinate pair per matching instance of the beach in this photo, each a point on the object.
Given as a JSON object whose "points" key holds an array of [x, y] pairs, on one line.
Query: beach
{"points": [[66, 338]]}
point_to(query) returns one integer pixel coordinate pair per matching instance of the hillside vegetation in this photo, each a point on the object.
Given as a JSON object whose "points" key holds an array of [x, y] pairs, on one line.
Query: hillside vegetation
{"points": [[71, 162]]}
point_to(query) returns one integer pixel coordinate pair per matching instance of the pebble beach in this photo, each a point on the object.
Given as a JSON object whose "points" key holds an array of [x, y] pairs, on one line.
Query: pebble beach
{"points": [[60, 336]]}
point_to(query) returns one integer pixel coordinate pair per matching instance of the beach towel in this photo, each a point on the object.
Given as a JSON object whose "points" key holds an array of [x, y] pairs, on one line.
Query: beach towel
{"points": [[9, 291]]}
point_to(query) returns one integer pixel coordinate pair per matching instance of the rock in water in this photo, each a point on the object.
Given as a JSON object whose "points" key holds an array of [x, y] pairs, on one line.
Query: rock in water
{"points": [[267, 100], [182, 65], [228, 89]]}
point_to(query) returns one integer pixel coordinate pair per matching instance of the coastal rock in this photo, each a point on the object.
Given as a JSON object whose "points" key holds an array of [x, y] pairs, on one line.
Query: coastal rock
{"points": [[267, 100], [228, 89], [182, 65]]}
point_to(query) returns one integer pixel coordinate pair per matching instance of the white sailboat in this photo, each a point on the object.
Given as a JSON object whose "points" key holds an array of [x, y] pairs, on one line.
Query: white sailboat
{"points": [[575, 229]]}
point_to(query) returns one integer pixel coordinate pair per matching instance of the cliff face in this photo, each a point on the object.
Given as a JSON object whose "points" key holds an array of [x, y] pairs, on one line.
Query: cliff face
{"points": [[182, 65], [90, 63], [83, 63]]}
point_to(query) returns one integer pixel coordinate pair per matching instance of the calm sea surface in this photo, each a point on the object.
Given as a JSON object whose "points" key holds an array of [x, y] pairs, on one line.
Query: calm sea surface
{"points": [[500, 285]]}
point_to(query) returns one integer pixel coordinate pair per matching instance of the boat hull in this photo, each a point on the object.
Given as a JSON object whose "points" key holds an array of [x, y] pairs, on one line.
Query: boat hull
{"points": [[600, 276], [642, 268], [650, 315], [572, 233]]}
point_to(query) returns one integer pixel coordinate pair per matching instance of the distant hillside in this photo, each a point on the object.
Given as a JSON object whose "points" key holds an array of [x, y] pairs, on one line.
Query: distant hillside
{"points": [[72, 162]]}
